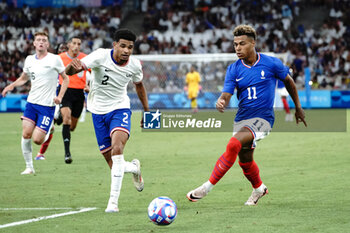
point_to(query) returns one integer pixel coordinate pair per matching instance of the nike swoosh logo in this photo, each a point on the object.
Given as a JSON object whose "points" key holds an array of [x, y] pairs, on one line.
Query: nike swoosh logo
{"points": [[193, 198], [239, 79]]}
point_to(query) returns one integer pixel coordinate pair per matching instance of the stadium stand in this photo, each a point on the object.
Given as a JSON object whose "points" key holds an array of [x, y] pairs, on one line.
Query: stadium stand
{"points": [[193, 27]]}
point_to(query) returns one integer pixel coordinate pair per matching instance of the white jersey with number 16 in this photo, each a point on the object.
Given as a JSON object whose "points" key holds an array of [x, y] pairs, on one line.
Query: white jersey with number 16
{"points": [[109, 81], [43, 74]]}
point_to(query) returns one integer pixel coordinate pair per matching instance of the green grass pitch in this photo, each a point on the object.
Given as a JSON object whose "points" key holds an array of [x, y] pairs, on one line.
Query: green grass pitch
{"points": [[308, 176]]}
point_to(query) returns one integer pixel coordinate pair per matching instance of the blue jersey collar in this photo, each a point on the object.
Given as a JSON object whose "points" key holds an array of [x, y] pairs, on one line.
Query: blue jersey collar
{"points": [[115, 62]]}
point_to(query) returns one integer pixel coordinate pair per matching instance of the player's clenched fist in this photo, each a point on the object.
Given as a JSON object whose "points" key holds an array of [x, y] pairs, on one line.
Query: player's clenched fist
{"points": [[220, 105]]}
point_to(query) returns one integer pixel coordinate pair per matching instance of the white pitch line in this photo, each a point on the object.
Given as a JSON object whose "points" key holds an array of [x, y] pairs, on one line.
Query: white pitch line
{"points": [[1, 209], [46, 217]]}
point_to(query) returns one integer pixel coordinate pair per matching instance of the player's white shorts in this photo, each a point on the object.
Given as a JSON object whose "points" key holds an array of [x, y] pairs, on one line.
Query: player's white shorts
{"points": [[259, 127], [282, 91]]}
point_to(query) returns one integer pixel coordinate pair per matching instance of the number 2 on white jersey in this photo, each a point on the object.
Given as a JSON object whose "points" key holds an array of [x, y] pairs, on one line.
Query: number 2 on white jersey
{"points": [[104, 80], [250, 93]]}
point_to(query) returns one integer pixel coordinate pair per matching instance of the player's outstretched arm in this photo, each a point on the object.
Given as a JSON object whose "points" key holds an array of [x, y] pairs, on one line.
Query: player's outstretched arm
{"points": [[223, 101], [142, 94], [292, 90], [19, 82], [64, 86], [74, 67]]}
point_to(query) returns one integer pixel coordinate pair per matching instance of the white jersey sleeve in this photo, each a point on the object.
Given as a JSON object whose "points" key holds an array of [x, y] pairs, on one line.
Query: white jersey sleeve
{"points": [[109, 81], [138, 75], [43, 74], [94, 59], [59, 65], [26, 65]]}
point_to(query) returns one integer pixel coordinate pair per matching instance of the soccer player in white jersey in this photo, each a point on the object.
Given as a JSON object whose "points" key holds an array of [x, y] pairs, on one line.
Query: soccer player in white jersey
{"points": [[282, 91], [254, 76], [42, 69], [111, 71]]}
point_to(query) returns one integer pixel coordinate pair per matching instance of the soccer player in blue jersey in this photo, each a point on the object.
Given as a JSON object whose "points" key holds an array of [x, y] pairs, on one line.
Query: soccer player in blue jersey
{"points": [[254, 76]]}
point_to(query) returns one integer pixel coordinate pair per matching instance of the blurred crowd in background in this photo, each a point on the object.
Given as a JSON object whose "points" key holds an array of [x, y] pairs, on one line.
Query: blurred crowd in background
{"points": [[188, 27]]}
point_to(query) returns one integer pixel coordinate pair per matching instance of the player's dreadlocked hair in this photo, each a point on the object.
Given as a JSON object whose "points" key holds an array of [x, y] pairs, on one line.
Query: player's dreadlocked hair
{"points": [[125, 34], [246, 30]]}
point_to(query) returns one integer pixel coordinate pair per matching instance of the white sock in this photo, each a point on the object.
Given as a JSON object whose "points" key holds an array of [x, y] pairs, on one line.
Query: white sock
{"points": [[117, 174], [82, 116], [261, 188], [48, 132], [27, 152], [208, 186], [129, 167], [57, 110]]}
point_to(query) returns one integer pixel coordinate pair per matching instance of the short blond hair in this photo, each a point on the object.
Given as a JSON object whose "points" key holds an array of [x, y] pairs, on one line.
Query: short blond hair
{"points": [[245, 30], [41, 34]]}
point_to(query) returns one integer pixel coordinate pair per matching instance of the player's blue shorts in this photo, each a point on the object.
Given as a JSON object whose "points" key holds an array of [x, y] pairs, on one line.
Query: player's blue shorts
{"points": [[106, 124], [39, 115]]}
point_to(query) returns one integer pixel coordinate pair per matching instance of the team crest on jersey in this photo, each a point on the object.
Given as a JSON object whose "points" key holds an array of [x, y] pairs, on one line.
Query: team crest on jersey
{"points": [[262, 74]]}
